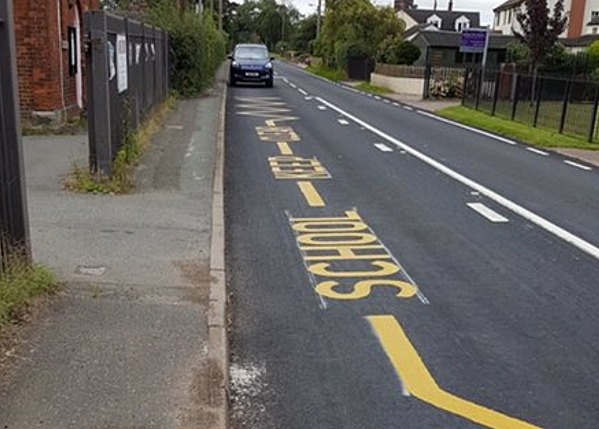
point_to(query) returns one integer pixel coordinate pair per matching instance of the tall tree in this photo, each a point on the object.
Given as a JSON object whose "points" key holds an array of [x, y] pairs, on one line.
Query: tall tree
{"points": [[539, 30]]}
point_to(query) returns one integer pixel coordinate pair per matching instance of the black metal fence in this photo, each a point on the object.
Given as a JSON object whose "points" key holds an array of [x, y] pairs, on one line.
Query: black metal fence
{"points": [[14, 227], [563, 105], [127, 63]]}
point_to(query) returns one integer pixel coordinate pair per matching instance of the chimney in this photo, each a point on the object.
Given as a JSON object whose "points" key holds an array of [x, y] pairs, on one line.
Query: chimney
{"points": [[450, 5], [403, 5]]}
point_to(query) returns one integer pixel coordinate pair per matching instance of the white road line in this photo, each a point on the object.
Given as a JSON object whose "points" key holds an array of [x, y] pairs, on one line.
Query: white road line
{"points": [[577, 165], [466, 127], [368, 94], [322, 108], [343, 121], [309, 97], [537, 151], [396, 104], [301, 91], [386, 101], [376, 97], [485, 211], [408, 108], [541, 222], [382, 147], [293, 85]]}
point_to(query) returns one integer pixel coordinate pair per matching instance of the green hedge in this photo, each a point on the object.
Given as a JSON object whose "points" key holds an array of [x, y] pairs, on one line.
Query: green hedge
{"points": [[197, 47]]}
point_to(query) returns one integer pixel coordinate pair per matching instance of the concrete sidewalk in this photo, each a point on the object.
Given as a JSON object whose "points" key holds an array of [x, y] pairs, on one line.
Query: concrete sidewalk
{"points": [[125, 345]]}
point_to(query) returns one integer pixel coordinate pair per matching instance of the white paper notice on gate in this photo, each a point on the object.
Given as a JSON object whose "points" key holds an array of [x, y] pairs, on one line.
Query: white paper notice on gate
{"points": [[121, 63]]}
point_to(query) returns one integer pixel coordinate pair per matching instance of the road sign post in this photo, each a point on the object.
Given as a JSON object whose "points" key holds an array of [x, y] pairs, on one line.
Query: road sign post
{"points": [[476, 41]]}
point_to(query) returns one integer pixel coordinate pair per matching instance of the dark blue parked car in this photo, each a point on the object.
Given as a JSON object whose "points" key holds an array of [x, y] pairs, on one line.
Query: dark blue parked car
{"points": [[250, 63]]}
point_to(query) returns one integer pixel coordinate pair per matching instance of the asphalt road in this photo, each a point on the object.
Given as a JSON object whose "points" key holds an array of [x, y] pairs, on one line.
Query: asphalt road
{"points": [[391, 270]]}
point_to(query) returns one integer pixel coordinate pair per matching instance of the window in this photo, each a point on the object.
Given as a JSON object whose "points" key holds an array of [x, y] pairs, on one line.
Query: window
{"points": [[434, 20], [594, 30], [594, 14], [461, 24]]}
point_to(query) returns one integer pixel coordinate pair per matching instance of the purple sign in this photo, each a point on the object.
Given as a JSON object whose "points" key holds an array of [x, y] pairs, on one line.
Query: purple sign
{"points": [[473, 41]]}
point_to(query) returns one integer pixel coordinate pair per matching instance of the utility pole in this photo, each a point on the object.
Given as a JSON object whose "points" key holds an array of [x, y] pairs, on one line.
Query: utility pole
{"points": [[14, 222], [318, 12]]}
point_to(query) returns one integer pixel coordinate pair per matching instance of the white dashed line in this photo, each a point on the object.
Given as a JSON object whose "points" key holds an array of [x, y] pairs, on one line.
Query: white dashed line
{"points": [[309, 97], [343, 121], [301, 91], [537, 151], [396, 104], [322, 107], [376, 97], [485, 211], [577, 165], [386, 101], [541, 222], [408, 108], [466, 127], [293, 85], [383, 148]]}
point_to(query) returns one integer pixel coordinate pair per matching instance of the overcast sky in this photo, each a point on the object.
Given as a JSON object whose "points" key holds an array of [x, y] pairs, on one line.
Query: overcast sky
{"points": [[485, 7]]}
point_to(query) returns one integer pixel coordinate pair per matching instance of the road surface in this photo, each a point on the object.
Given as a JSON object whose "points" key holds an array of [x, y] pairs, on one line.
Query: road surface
{"points": [[389, 269]]}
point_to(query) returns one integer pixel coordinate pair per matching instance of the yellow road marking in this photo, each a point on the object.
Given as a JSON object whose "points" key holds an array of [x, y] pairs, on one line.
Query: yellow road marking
{"points": [[311, 194], [284, 148], [419, 382]]}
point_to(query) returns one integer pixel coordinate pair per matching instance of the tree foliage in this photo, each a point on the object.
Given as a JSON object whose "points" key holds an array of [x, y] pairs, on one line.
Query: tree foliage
{"points": [[593, 53], [197, 47], [395, 50], [539, 29], [355, 27], [517, 52], [262, 21]]}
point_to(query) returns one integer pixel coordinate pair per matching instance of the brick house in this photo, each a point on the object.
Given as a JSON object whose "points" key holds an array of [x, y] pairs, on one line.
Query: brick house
{"points": [[50, 58]]}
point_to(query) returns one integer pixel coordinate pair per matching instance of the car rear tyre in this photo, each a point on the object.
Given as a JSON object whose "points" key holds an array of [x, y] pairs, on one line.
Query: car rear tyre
{"points": [[269, 83], [232, 81]]}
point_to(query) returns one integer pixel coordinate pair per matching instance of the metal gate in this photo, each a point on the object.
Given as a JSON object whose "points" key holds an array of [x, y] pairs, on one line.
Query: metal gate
{"points": [[14, 226], [127, 63]]}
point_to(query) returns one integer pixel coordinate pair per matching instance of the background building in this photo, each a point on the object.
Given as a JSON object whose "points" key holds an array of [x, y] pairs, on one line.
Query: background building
{"points": [[50, 58]]}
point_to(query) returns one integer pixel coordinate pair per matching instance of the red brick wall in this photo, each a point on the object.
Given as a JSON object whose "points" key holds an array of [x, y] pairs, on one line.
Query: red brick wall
{"points": [[41, 61], [576, 19]]}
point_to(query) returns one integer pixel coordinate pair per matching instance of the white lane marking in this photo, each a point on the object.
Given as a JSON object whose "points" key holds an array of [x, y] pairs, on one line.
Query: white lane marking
{"points": [[343, 121], [382, 147], [368, 94], [386, 101], [285, 80], [408, 108], [293, 85], [537, 151], [485, 211], [309, 97], [541, 222], [301, 91], [396, 104], [376, 97], [322, 108], [466, 127], [577, 165]]}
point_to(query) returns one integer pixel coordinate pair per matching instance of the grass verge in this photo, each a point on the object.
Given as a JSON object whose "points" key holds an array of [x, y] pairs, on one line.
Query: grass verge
{"points": [[20, 283], [373, 89], [534, 136], [135, 143], [328, 73]]}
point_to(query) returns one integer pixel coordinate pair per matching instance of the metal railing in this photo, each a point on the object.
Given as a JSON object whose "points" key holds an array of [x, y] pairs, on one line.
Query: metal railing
{"points": [[128, 75], [14, 226], [563, 105]]}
